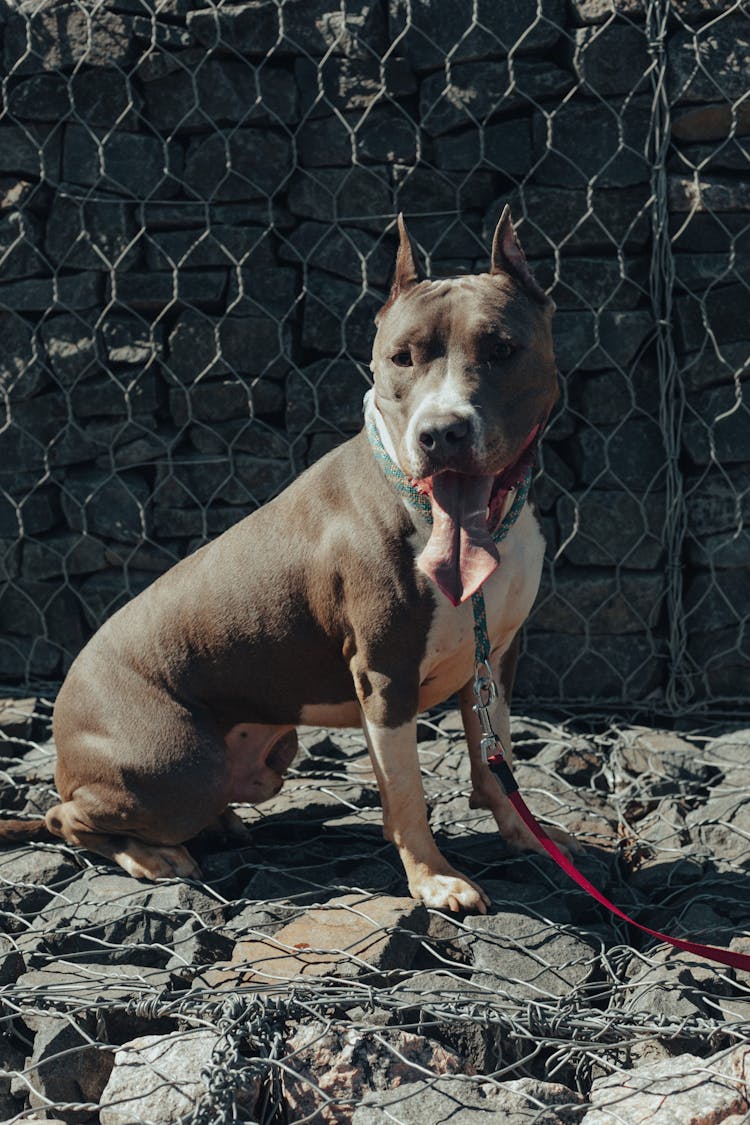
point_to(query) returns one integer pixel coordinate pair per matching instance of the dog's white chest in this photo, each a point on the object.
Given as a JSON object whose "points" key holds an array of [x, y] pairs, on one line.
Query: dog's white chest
{"points": [[509, 594]]}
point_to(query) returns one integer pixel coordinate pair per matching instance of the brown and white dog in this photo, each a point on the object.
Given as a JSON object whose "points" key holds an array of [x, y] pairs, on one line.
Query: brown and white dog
{"points": [[335, 604]]}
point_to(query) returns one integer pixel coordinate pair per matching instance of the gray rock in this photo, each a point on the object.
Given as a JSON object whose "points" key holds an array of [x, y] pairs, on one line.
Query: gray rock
{"points": [[718, 501], [707, 233], [321, 194], [92, 235], [100, 97], [245, 435], [115, 919], [66, 1067], [601, 528], [116, 394], [345, 251], [31, 877], [716, 427], [350, 84], [458, 1101], [428, 35], [21, 372], [70, 345], [131, 339], [610, 396], [20, 242], [610, 457], [709, 367], [621, 668], [30, 514], [477, 90], [601, 11], [30, 150], [57, 36], [419, 190], [201, 346], [662, 761], [218, 400], [612, 60], [129, 164], [243, 481], [587, 599], [160, 1077], [250, 163], [103, 593], [700, 271], [221, 92], [585, 283], [505, 146], [203, 523], [590, 341], [601, 222], [521, 958], [199, 248], [707, 194], [42, 609], [724, 307], [59, 555], [22, 660], [720, 661], [587, 140], [724, 121], [113, 507], [253, 29], [152, 292], [66, 292], [727, 549], [338, 315], [709, 62], [381, 136], [326, 394]]}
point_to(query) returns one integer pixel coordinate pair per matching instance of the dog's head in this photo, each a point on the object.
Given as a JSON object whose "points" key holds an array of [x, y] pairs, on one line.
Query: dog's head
{"points": [[465, 377]]}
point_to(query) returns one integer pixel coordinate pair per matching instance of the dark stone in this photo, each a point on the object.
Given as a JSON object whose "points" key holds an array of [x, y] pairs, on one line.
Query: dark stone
{"points": [[586, 140], [34, 512], [92, 235], [722, 122], [345, 251], [504, 147], [30, 150], [326, 195], [200, 247], [129, 164], [724, 308], [478, 90], [202, 347], [427, 33], [555, 479], [57, 36], [62, 555], [218, 400], [349, 85], [116, 394], [31, 877], [114, 507], [620, 336], [42, 609], [176, 215], [716, 601], [203, 523], [254, 29], [70, 344], [705, 233], [612, 529], [601, 11], [611, 396], [241, 480], [713, 59], [65, 1066], [728, 548], [113, 919], [21, 236], [381, 136], [327, 394], [339, 316], [152, 292], [72, 291], [585, 283], [23, 661], [423, 190], [262, 285], [557, 666], [131, 339], [717, 500], [721, 660], [702, 271], [612, 60], [248, 164], [712, 366], [597, 601], [716, 194], [10, 559], [103, 593], [630, 455], [716, 427], [220, 92], [246, 435], [100, 97], [602, 222], [21, 372]]}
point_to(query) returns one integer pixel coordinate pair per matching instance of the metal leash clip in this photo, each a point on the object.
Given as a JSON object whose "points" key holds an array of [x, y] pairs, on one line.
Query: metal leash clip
{"points": [[485, 693]]}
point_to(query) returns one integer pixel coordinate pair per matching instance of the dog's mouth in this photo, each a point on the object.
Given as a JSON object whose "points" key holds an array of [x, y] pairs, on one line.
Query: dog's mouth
{"points": [[461, 554]]}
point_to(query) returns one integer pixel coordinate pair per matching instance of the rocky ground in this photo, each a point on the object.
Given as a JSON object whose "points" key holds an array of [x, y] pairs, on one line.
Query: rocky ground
{"points": [[299, 982]]}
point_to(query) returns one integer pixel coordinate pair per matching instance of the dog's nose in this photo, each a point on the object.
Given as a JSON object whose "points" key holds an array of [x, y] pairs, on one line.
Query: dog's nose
{"points": [[444, 437]]}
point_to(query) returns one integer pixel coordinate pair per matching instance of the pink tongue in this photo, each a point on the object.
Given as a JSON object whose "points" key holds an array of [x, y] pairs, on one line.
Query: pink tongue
{"points": [[460, 555]]}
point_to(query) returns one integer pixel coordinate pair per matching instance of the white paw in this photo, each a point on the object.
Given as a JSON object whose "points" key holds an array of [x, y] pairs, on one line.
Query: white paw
{"points": [[144, 861], [450, 892]]}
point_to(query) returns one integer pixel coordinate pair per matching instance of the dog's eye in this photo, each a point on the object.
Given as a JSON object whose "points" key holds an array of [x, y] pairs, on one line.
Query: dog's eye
{"points": [[503, 349], [402, 359]]}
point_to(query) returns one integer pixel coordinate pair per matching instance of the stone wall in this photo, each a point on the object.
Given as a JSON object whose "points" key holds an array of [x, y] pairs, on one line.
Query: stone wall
{"points": [[196, 227]]}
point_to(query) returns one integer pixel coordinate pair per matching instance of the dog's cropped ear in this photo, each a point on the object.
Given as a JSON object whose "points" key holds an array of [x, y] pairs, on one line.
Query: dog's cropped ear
{"points": [[508, 257], [408, 273]]}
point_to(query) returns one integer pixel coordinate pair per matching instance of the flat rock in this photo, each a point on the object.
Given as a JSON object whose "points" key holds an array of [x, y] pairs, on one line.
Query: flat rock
{"points": [[686, 1090], [352, 936], [456, 1101]]}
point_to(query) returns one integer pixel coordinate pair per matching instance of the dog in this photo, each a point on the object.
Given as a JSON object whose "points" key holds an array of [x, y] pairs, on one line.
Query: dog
{"points": [[338, 603]]}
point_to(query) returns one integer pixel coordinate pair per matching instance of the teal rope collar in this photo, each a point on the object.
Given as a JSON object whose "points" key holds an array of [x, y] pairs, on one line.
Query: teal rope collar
{"points": [[421, 503]]}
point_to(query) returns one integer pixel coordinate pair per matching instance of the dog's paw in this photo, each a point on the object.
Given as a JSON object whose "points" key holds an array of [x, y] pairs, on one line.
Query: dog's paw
{"points": [[522, 840], [146, 861], [451, 891]]}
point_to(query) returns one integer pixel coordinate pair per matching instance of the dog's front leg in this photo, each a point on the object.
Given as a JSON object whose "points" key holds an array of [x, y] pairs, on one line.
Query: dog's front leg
{"points": [[486, 793], [396, 763]]}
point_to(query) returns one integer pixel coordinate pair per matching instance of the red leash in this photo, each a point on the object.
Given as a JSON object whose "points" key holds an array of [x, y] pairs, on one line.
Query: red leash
{"points": [[504, 775]]}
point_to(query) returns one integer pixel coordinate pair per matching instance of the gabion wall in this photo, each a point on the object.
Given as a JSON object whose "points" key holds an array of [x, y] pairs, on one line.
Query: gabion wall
{"points": [[197, 211]]}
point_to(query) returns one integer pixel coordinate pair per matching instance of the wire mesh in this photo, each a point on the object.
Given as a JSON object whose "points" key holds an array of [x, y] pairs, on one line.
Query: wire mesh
{"points": [[297, 981], [197, 226]]}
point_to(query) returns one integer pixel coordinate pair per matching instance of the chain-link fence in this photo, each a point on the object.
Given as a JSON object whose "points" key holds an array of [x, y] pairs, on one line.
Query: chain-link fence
{"points": [[197, 227]]}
